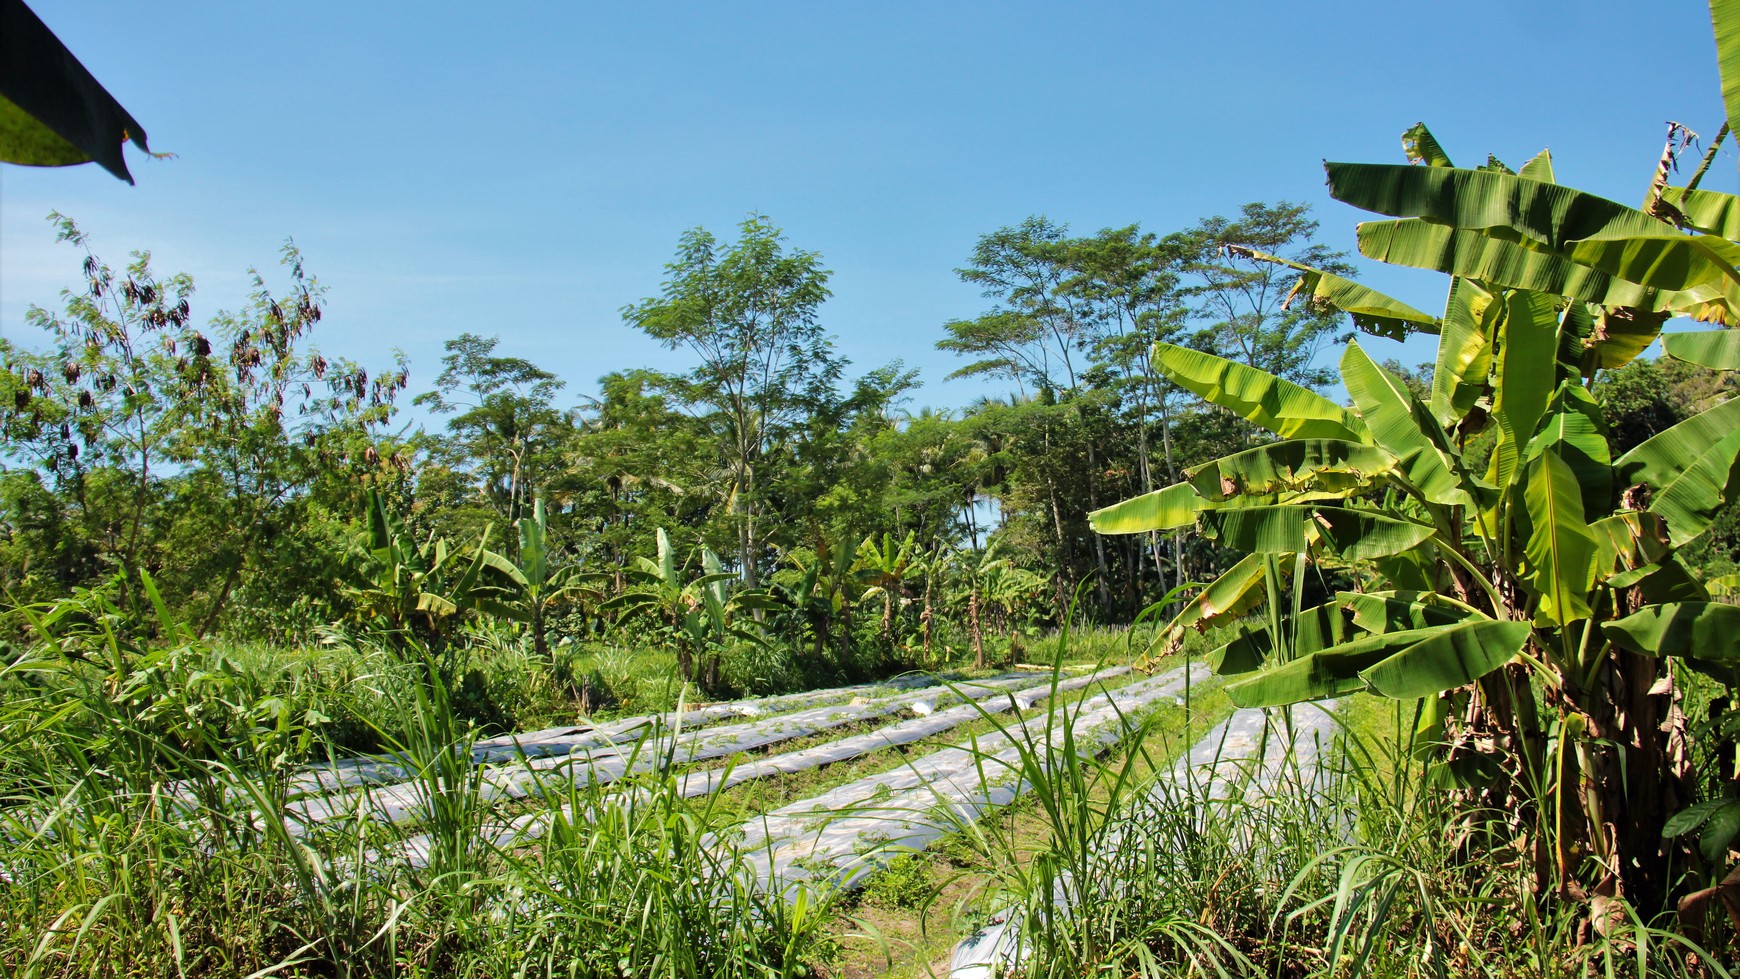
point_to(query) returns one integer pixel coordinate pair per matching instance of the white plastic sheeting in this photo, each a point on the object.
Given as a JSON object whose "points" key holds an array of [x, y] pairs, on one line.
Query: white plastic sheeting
{"points": [[843, 835], [609, 752], [662, 748], [917, 729], [582, 736]]}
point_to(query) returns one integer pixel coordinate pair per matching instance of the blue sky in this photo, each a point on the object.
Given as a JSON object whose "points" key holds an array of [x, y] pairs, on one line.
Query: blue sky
{"points": [[525, 169]]}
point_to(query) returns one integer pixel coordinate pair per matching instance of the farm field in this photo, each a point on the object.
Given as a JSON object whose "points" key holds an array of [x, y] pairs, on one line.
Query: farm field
{"points": [[1337, 583]]}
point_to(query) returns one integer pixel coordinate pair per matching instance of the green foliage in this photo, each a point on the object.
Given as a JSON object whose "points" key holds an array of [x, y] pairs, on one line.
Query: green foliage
{"points": [[506, 436], [698, 617], [749, 313], [160, 444], [906, 882], [420, 593], [1553, 564]]}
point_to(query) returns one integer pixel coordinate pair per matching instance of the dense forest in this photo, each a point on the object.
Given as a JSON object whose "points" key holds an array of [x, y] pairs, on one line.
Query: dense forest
{"points": [[231, 459]]}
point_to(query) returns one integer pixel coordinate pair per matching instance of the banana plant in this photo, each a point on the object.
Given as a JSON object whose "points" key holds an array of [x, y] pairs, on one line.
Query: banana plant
{"points": [[424, 590], [979, 569], [539, 587], [816, 596], [1007, 593], [1542, 582], [885, 566], [696, 617]]}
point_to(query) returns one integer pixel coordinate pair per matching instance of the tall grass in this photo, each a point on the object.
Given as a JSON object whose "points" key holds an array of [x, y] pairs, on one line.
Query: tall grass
{"points": [[145, 787], [1338, 868], [145, 831]]}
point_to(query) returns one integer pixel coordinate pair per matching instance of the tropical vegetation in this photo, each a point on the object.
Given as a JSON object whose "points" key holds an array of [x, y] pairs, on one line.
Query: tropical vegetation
{"points": [[229, 562]]}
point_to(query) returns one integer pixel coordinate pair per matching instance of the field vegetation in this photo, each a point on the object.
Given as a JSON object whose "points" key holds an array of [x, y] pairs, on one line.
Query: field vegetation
{"points": [[227, 562]]}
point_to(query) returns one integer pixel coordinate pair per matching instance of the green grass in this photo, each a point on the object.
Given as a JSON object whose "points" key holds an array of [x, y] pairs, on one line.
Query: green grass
{"points": [[104, 872]]}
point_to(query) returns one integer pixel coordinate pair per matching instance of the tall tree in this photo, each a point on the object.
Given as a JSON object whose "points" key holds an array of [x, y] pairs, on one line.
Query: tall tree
{"points": [[1131, 284], [1034, 335], [178, 449], [505, 432], [749, 311], [1245, 305], [1036, 332]]}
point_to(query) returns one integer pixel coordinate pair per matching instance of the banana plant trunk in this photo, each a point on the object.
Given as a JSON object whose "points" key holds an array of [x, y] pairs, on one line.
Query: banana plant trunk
{"points": [[540, 633], [685, 658], [844, 639], [1634, 771], [820, 623], [710, 671]]}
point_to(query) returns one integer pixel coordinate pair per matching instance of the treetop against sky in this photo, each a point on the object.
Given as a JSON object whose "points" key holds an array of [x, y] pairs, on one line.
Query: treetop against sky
{"points": [[526, 170]]}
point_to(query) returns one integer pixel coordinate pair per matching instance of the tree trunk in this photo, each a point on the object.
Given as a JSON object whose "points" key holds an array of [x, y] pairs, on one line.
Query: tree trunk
{"points": [[925, 618], [977, 630], [1065, 552], [845, 638], [1102, 586]]}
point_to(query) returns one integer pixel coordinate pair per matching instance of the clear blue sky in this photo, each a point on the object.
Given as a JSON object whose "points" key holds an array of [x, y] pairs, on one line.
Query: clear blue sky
{"points": [[525, 169]]}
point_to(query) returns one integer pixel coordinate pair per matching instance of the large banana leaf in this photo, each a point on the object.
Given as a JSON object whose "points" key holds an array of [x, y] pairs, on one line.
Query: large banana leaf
{"points": [[1261, 530], [1372, 311], [1464, 352], [1384, 612], [1420, 146], [1399, 423], [1725, 19], [1448, 659], [1524, 379], [1575, 430], [1291, 466], [1560, 550], [1456, 251], [1622, 333], [1539, 167], [1266, 483], [1691, 502], [1706, 630], [1417, 569], [1668, 581], [1164, 509], [1361, 535], [53, 111], [1251, 646], [1352, 534], [1715, 303], [1661, 458], [1710, 211], [1636, 535], [1246, 652], [1238, 590], [1584, 228], [1665, 259], [1715, 349], [1280, 406], [1328, 673]]}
